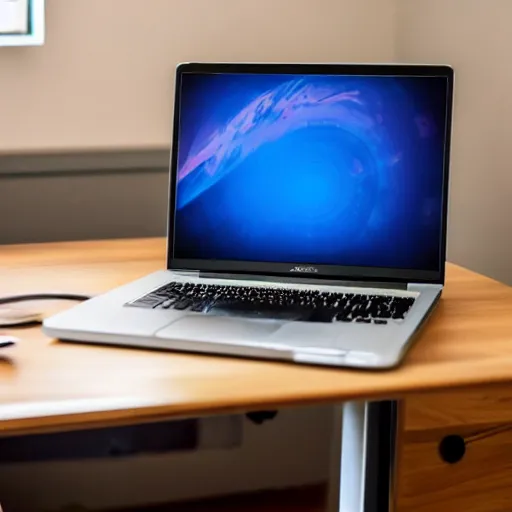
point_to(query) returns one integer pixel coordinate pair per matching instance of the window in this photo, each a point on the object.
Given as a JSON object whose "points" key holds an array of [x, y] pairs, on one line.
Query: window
{"points": [[21, 22]]}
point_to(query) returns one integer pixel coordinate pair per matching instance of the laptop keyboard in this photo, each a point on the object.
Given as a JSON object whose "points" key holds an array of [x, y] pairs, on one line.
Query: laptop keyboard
{"points": [[281, 303]]}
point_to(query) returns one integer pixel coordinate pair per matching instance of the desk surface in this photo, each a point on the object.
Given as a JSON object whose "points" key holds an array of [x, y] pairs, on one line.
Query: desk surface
{"points": [[46, 384]]}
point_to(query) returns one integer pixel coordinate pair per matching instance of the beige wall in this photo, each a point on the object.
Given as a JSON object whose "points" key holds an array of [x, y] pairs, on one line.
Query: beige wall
{"points": [[104, 77], [475, 36]]}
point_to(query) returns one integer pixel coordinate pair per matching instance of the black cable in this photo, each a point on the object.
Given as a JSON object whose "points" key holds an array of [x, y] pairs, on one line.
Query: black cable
{"points": [[43, 296]]}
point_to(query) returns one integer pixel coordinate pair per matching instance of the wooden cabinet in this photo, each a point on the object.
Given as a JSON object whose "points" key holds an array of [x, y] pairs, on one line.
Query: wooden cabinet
{"points": [[471, 470]]}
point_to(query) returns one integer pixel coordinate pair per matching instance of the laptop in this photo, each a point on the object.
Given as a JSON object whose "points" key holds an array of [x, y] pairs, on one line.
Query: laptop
{"points": [[307, 217]]}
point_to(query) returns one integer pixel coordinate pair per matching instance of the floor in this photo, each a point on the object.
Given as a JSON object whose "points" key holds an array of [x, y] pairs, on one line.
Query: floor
{"points": [[307, 499]]}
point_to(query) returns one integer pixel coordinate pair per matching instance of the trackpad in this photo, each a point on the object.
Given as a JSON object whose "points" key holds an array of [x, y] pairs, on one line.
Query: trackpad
{"points": [[219, 328]]}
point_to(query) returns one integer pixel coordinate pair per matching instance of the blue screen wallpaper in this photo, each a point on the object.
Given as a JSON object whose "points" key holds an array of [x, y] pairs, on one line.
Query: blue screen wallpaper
{"points": [[333, 170]]}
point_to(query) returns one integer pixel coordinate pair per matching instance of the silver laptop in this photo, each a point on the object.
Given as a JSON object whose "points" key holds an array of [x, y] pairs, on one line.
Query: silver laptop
{"points": [[307, 217]]}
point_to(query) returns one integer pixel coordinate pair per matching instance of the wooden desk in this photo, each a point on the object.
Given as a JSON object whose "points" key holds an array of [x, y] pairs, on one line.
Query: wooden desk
{"points": [[49, 385]]}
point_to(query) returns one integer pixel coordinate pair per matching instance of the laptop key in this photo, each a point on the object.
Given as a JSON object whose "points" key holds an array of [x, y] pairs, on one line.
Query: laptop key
{"points": [[321, 315], [149, 301], [198, 307], [182, 304]]}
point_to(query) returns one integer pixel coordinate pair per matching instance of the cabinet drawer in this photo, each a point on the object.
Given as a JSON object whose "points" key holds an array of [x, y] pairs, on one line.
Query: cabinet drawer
{"points": [[480, 482], [456, 452]]}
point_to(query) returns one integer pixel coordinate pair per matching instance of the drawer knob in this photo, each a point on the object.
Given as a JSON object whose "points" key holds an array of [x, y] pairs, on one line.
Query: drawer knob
{"points": [[452, 449]]}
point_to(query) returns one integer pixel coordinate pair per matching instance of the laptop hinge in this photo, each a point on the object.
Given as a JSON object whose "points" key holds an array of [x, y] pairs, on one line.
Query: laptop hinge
{"points": [[186, 273], [424, 286]]}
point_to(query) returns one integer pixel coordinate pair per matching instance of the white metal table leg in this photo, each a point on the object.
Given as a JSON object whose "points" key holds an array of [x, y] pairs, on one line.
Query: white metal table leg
{"points": [[362, 476]]}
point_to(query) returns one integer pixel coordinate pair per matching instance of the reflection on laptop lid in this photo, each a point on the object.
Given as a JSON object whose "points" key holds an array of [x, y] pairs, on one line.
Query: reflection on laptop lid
{"points": [[328, 170]]}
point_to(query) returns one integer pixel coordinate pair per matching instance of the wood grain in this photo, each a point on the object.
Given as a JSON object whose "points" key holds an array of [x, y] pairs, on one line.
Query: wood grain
{"points": [[45, 384]]}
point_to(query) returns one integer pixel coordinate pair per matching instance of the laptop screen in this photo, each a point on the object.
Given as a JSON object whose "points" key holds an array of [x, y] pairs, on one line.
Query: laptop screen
{"points": [[338, 170]]}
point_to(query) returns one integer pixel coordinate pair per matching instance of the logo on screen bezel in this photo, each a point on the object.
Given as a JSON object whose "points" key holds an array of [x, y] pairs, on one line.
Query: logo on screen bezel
{"points": [[304, 269]]}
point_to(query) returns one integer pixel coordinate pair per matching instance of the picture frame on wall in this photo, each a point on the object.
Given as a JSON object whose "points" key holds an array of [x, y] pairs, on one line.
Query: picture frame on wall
{"points": [[22, 22]]}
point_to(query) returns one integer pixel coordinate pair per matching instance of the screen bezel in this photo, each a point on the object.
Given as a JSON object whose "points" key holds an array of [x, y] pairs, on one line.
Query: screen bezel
{"points": [[337, 272]]}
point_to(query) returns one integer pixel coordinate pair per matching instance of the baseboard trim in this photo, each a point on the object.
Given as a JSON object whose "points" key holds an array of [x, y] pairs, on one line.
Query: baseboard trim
{"points": [[155, 160], [297, 499]]}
